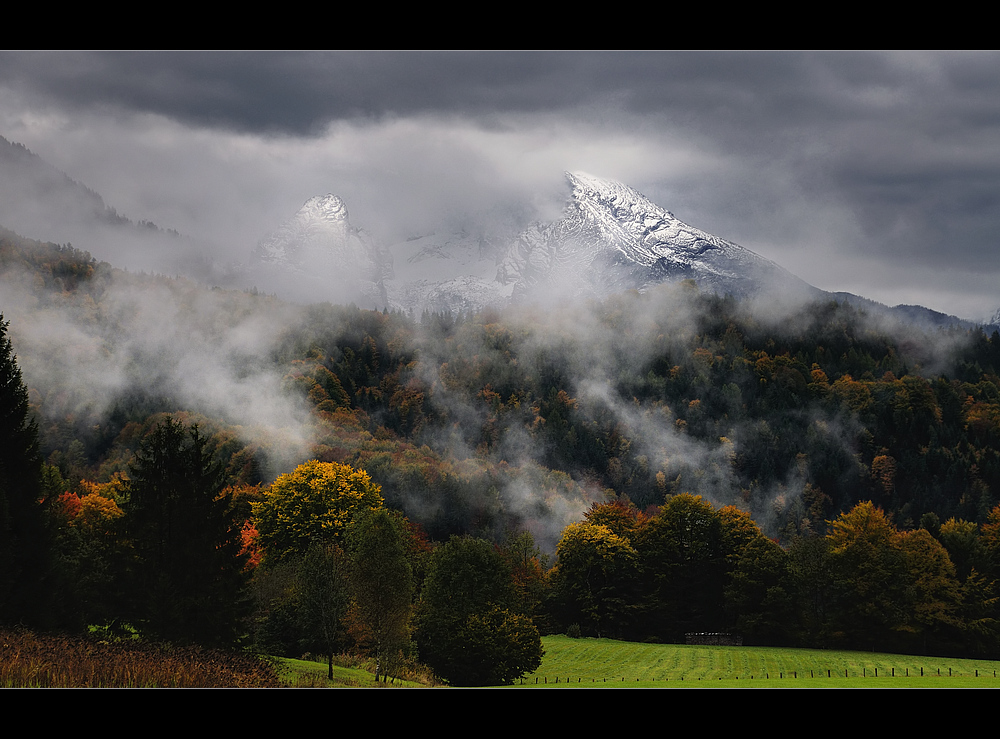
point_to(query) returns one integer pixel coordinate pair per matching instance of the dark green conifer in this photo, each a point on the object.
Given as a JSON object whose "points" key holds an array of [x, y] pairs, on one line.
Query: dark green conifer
{"points": [[24, 549], [187, 578]]}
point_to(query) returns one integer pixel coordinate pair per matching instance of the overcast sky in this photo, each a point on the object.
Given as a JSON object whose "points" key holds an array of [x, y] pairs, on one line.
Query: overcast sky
{"points": [[872, 172]]}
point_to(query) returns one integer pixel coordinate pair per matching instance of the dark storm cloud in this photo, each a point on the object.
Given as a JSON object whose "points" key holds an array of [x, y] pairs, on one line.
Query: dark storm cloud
{"points": [[299, 92]]}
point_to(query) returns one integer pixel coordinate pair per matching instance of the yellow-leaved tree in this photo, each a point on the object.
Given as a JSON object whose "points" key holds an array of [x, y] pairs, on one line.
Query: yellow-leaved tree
{"points": [[314, 502]]}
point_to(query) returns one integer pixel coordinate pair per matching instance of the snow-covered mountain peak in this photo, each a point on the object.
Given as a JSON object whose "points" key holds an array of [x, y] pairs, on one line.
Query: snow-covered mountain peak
{"points": [[611, 195], [613, 238], [610, 238], [640, 229], [318, 255], [327, 208], [321, 227]]}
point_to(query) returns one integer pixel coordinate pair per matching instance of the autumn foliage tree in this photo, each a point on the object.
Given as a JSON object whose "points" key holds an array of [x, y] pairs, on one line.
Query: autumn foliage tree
{"points": [[595, 578], [892, 589], [869, 575], [757, 595], [933, 589], [683, 567], [315, 502], [89, 554]]}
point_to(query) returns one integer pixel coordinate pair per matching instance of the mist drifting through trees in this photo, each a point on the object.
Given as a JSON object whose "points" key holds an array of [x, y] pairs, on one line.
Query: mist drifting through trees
{"points": [[522, 420]]}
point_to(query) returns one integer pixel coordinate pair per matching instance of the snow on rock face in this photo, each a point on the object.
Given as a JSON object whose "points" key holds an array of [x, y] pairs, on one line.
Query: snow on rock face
{"points": [[320, 231], [444, 272], [318, 255], [611, 238]]}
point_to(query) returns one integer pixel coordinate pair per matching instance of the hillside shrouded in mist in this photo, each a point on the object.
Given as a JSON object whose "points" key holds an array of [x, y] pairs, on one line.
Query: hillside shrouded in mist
{"points": [[521, 418]]}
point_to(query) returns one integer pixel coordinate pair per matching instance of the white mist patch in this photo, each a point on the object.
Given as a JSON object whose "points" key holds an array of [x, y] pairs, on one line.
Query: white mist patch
{"points": [[207, 352], [655, 435], [545, 512]]}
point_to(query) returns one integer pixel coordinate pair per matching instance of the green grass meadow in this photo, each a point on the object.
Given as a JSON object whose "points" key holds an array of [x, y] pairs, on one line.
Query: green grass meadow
{"points": [[348, 672], [613, 664], [295, 673]]}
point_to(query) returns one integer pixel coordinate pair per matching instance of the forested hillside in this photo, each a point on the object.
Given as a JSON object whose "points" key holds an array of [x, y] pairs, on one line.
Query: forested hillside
{"points": [[793, 417], [497, 424]]}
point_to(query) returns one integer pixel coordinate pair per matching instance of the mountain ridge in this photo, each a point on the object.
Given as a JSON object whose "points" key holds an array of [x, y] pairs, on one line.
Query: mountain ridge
{"points": [[610, 238]]}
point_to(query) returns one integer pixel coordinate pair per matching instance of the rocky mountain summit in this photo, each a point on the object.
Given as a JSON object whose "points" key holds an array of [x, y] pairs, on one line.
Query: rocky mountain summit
{"points": [[610, 238], [318, 255]]}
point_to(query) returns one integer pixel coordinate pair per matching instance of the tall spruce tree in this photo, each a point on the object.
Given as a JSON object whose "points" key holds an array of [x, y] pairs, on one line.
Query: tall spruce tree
{"points": [[187, 580], [24, 550]]}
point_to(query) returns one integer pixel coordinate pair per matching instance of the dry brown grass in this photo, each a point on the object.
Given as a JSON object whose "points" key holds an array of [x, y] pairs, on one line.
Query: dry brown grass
{"points": [[31, 660]]}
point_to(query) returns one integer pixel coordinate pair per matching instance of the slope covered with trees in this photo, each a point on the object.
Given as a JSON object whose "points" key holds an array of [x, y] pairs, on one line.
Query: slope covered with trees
{"points": [[595, 428]]}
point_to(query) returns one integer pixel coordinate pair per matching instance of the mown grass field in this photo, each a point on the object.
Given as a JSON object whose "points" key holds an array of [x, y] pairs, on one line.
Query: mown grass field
{"points": [[614, 664]]}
